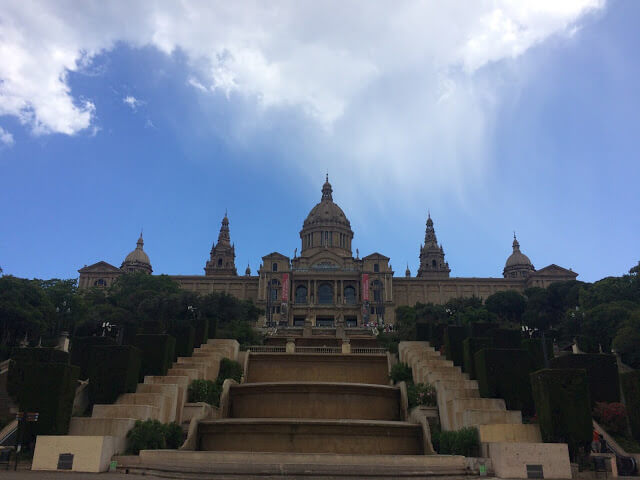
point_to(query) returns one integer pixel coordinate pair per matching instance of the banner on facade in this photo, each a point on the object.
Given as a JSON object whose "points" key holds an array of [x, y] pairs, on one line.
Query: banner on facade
{"points": [[285, 287], [365, 287]]}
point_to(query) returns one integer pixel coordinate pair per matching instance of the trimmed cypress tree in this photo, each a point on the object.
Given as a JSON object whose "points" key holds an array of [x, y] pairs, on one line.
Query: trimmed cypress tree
{"points": [[602, 374], [157, 353], [631, 390], [453, 337], [81, 351], [470, 346], [114, 370]]}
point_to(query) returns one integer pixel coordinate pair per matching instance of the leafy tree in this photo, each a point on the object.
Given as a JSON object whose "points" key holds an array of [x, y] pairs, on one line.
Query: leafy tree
{"points": [[405, 325], [627, 340], [601, 323], [508, 306]]}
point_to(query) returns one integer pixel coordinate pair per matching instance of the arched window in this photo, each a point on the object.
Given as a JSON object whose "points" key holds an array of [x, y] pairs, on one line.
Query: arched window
{"points": [[219, 262], [274, 267], [350, 295], [101, 282], [377, 290], [325, 294], [301, 294], [433, 263], [376, 267], [274, 285]]}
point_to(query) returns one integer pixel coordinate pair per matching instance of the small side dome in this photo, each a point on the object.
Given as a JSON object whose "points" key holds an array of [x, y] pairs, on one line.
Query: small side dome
{"points": [[137, 260]]}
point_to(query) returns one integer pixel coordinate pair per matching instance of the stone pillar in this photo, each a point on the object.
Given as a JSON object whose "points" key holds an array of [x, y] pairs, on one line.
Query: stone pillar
{"points": [[346, 345], [291, 345], [63, 342]]}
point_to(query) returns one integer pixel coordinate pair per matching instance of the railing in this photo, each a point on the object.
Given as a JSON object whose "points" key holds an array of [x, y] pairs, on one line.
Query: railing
{"points": [[318, 350], [4, 366], [266, 349], [369, 350]]}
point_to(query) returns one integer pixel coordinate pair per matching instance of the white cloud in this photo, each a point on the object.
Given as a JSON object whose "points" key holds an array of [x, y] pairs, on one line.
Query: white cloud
{"points": [[132, 102], [6, 137], [392, 83]]}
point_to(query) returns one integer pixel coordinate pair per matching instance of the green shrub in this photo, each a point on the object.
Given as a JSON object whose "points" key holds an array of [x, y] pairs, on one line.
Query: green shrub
{"points": [[465, 442], [453, 337], [205, 391], [46, 355], [201, 334], [114, 370], [534, 347], [81, 351], [421, 394], [46, 388], [401, 372], [184, 335], [504, 373], [470, 346], [481, 329], [602, 374], [230, 369], [157, 353], [563, 407], [506, 338], [631, 390], [388, 341], [153, 435]]}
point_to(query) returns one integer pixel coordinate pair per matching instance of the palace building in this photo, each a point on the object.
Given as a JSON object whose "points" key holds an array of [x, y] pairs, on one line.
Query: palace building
{"points": [[325, 284]]}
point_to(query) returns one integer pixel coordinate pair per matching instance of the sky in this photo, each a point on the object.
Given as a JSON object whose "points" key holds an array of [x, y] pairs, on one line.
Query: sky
{"points": [[495, 116]]}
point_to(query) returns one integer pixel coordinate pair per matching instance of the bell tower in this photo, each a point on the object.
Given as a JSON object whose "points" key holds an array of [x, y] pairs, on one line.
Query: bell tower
{"points": [[432, 264], [222, 260]]}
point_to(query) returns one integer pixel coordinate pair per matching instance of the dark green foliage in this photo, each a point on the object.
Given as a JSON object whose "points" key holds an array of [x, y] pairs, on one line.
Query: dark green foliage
{"points": [[230, 369], [470, 346], [508, 306], [201, 334], [401, 372], [437, 335], [153, 435], [563, 407], [534, 347], [602, 374], [184, 335], [464, 442], [46, 388], [506, 338], [631, 390], [205, 391], [504, 373], [81, 351], [423, 331], [481, 329], [421, 394], [114, 370], [157, 353], [453, 337], [406, 322], [47, 355], [389, 341]]}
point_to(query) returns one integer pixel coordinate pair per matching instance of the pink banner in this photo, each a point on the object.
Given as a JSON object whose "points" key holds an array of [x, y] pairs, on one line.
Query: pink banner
{"points": [[285, 287], [365, 287]]}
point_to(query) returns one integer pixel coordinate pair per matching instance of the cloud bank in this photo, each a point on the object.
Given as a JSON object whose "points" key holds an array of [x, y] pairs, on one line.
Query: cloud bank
{"points": [[378, 79]]}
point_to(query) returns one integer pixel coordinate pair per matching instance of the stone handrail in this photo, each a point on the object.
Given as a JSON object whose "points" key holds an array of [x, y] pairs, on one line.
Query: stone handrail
{"points": [[318, 350], [4, 366], [369, 350], [266, 349]]}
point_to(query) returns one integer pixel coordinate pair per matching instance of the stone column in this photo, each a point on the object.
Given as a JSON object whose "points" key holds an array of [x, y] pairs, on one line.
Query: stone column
{"points": [[291, 345], [346, 345]]}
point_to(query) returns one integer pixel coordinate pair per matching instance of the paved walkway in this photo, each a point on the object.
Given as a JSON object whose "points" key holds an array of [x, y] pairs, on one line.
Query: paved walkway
{"points": [[29, 475]]}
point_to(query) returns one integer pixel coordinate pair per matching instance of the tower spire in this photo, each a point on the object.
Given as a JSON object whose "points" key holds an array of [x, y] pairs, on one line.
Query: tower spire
{"points": [[327, 190]]}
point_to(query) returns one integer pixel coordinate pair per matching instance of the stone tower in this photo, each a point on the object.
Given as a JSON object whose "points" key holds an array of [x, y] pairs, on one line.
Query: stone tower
{"points": [[222, 260], [137, 260], [518, 264], [432, 264]]}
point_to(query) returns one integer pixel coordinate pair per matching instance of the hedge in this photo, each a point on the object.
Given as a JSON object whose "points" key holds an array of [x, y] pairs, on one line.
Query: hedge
{"points": [[506, 338], [81, 351], [114, 370], [631, 390], [465, 441], [453, 337], [201, 335], [534, 347], [230, 369], [423, 331], [157, 353], [504, 373], [602, 374], [205, 391], [184, 335], [46, 388], [470, 346], [563, 406], [35, 354], [401, 372], [481, 329], [153, 435]]}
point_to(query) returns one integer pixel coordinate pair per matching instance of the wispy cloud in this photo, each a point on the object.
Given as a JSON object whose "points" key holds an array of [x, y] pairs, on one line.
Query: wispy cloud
{"points": [[6, 138], [132, 102]]}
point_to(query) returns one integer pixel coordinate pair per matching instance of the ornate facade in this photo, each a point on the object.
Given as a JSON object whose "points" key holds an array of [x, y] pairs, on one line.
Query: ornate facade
{"points": [[326, 284]]}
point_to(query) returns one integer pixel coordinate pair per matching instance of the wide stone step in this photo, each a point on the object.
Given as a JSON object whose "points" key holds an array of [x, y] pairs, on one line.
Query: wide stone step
{"points": [[138, 412], [473, 418], [90, 426], [199, 465], [318, 400], [311, 436], [458, 406]]}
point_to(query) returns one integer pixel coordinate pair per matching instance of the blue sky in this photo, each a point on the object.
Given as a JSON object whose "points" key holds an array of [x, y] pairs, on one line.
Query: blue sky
{"points": [[495, 118]]}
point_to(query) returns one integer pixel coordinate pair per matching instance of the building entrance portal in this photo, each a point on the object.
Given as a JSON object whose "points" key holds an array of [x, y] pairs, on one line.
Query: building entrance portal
{"points": [[324, 321]]}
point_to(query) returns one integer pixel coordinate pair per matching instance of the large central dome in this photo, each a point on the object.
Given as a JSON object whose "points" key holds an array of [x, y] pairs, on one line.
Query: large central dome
{"points": [[326, 226]]}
